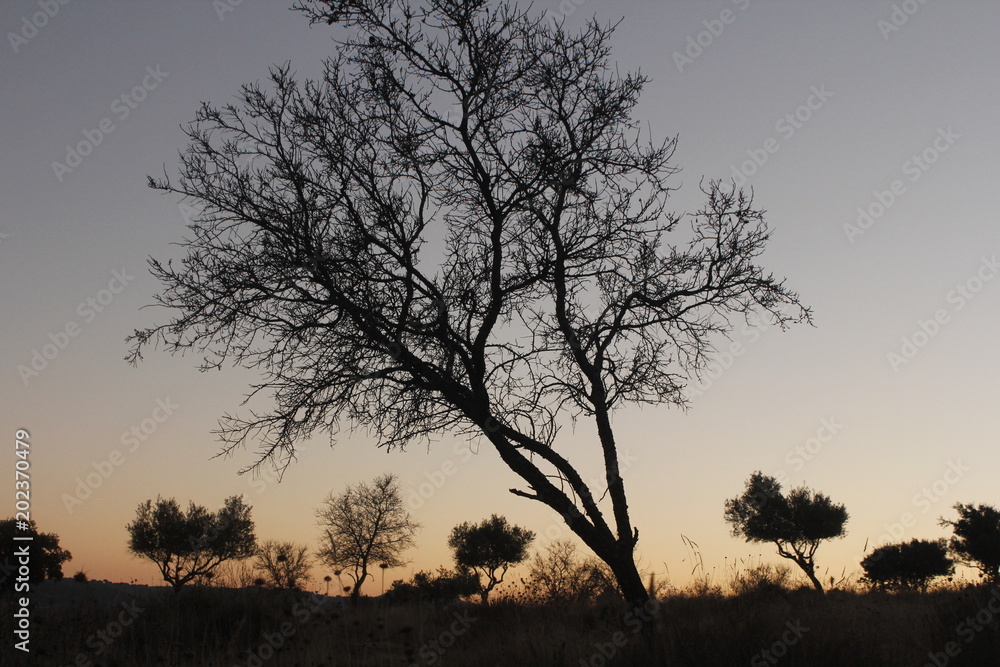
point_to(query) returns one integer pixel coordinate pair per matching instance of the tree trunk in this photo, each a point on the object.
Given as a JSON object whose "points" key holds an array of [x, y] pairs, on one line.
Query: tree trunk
{"points": [[629, 580], [631, 585], [356, 591], [809, 570]]}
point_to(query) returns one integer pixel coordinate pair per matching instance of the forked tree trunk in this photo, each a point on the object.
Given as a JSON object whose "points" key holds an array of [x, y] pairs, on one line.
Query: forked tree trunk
{"points": [[810, 571], [627, 575], [814, 580]]}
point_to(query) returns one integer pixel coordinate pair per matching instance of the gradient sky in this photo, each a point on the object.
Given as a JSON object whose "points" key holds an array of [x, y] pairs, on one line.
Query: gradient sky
{"points": [[826, 109]]}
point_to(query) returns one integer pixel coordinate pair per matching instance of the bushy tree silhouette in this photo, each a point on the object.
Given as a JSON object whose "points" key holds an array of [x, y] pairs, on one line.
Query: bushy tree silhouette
{"points": [[560, 575], [489, 548], [977, 538], [559, 286], [190, 545], [796, 523], [284, 564], [908, 565], [364, 526], [45, 558], [443, 586]]}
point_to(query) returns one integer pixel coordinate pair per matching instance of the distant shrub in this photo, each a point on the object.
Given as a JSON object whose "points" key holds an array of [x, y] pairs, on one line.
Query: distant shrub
{"points": [[283, 564], [235, 574], [80, 577], [907, 566], [702, 586], [560, 575], [442, 586], [762, 579]]}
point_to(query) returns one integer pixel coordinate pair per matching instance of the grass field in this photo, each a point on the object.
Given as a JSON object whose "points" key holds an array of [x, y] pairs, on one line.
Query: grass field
{"points": [[765, 625]]}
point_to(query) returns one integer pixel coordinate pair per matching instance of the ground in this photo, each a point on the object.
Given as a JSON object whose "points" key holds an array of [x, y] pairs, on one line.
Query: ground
{"points": [[100, 623]]}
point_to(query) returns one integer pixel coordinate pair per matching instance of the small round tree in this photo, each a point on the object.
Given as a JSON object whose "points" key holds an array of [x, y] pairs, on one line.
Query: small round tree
{"points": [[489, 549], [908, 565], [795, 523], [977, 539]]}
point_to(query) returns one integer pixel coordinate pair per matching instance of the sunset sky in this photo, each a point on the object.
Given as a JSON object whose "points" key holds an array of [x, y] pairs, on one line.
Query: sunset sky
{"points": [[867, 130]]}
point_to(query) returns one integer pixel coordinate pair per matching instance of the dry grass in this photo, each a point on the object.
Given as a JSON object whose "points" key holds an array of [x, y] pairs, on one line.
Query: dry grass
{"points": [[697, 627]]}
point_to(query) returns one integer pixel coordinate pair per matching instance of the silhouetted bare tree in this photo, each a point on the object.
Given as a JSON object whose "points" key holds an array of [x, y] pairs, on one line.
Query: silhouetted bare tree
{"points": [[796, 524], [364, 526], [460, 228]]}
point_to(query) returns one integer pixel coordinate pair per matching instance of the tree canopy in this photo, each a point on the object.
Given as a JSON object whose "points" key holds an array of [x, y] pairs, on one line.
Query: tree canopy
{"points": [[365, 526], [489, 548], [460, 227], [796, 523], [977, 538], [189, 545]]}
